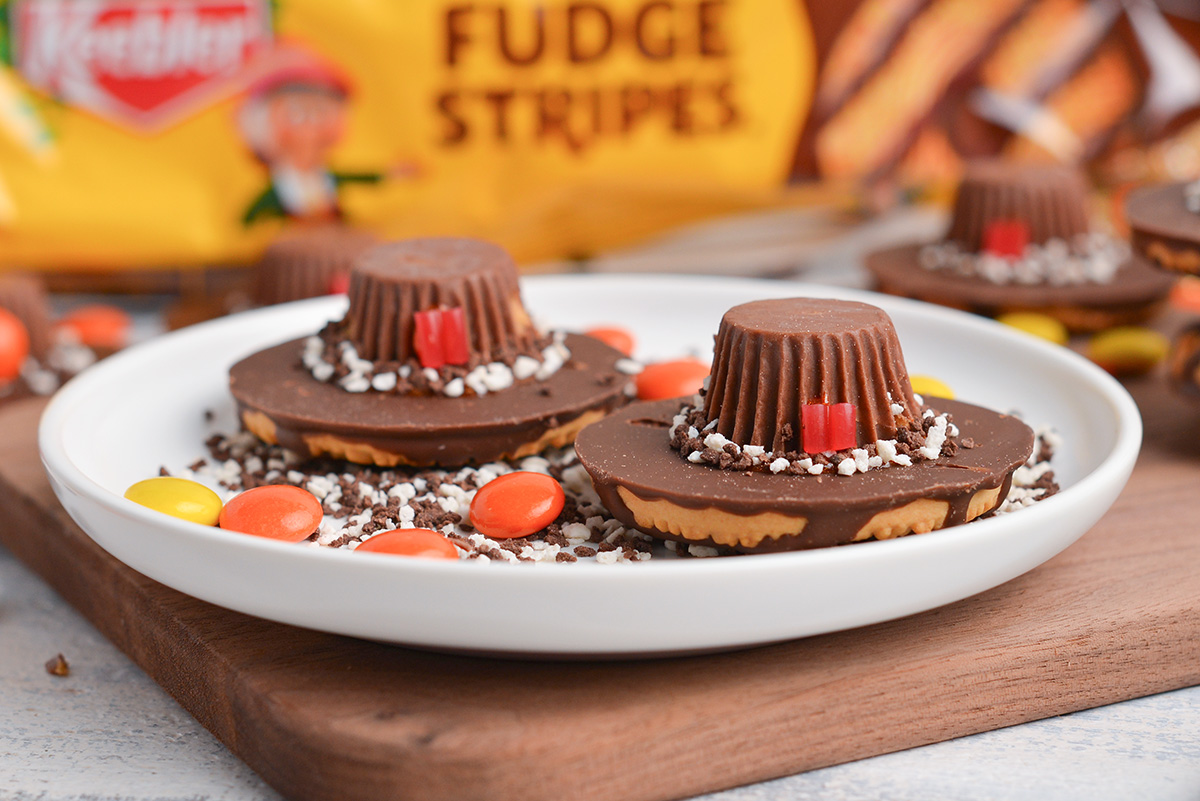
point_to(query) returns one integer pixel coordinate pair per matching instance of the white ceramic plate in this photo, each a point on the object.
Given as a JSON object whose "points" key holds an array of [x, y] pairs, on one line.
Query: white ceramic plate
{"points": [[121, 420]]}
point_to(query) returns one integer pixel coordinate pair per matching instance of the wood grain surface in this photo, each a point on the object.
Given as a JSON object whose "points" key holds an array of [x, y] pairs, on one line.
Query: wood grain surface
{"points": [[318, 716]]}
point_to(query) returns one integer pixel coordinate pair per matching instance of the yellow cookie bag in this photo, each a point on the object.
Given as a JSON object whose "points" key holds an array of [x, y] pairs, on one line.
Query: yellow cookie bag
{"points": [[169, 134]]}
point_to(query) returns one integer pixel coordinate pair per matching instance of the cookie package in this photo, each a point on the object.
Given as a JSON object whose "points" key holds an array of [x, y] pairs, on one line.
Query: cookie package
{"points": [[152, 135]]}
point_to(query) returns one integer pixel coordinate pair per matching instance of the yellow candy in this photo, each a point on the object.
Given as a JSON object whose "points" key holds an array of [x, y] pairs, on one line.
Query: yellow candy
{"points": [[1039, 325], [926, 385], [1128, 350], [177, 497]]}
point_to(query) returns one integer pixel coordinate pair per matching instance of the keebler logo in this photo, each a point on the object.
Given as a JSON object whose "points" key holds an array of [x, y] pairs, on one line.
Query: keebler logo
{"points": [[144, 63]]}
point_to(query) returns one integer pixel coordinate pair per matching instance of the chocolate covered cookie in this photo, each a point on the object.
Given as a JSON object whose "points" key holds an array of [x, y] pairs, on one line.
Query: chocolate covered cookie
{"points": [[1019, 240], [435, 363], [1164, 222], [808, 435]]}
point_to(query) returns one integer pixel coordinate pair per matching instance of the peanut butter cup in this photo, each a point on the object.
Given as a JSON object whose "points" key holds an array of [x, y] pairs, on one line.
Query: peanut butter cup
{"points": [[775, 357], [308, 261], [808, 435], [436, 363], [1019, 240], [1164, 222]]}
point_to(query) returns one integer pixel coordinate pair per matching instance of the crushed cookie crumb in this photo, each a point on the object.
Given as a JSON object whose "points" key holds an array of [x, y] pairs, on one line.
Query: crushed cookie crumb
{"points": [[58, 666]]}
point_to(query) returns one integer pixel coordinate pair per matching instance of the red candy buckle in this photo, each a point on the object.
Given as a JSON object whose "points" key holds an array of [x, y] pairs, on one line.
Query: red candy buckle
{"points": [[815, 419], [1007, 238], [427, 338], [441, 337], [843, 429], [339, 284], [828, 427], [454, 336]]}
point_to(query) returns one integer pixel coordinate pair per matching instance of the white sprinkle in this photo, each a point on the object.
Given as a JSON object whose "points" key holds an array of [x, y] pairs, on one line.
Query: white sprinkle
{"points": [[384, 382], [355, 383], [779, 465], [498, 377], [323, 371], [535, 464], [628, 366], [861, 459], [609, 557], [715, 442], [551, 361], [846, 467], [576, 532], [405, 492], [525, 367], [694, 458], [702, 550]]}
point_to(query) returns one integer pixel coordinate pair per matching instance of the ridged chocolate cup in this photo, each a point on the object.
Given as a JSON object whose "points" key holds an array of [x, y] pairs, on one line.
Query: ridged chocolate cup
{"points": [[304, 262], [391, 282], [774, 356], [1050, 199], [25, 296]]}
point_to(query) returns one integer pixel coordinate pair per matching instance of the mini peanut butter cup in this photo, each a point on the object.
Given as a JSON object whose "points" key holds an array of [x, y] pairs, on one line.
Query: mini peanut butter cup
{"points": [[25, 297], [1019, 240], [773, 357], [392, 282], [757, 488], [308, 261], [1051, 200], [477, 408]]}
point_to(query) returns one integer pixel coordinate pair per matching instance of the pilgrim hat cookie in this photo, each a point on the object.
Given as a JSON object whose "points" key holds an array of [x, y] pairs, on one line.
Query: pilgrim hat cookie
{"points": [[807, 435], [1020, 241], [1165, 225], [436, 363], [308, 261]]}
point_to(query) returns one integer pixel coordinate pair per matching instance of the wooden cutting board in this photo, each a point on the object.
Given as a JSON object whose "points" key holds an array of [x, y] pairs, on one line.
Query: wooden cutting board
{"points": [[318, 716]]}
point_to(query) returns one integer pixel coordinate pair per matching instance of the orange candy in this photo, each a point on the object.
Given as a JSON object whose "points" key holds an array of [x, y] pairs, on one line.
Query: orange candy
{"points": [[14, 345], [616, 338], [516, 505], [419, 542], [99, 326], [1185, 294], [673, 379], [276, 511]]}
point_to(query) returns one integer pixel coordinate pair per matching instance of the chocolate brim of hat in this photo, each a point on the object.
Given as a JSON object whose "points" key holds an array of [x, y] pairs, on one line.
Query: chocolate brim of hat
{"points": [[630, 449], [1163, 229], [1135, 288], [425, 429]]}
